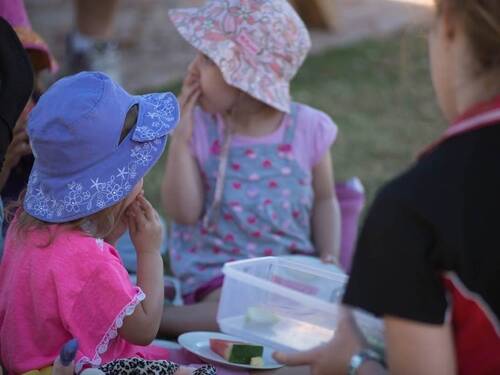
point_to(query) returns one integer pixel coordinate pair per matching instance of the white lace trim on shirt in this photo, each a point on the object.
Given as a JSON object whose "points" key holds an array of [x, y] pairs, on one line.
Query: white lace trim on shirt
{"points": [[111, 333]]}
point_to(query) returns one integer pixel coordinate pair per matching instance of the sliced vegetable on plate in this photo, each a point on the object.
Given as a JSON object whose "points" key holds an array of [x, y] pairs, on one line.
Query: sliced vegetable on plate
{"points": [[238, 352]]}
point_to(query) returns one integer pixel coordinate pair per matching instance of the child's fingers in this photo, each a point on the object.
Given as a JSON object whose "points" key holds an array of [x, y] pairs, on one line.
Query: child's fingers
{"points": [[190, 101], [193, 68], [193, 98], [156, 215], [189, 89], [191, 78], [21, 126], [21, 137], [188, 82], [186, 98], [16, 151], [139, 219], [140, 215], [135, 209], [132, 226], [148, 209]]}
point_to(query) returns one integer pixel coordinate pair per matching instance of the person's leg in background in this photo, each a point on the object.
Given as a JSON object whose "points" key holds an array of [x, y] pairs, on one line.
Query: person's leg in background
{"points": [[200, 316], [94, 18], [89, 46]]}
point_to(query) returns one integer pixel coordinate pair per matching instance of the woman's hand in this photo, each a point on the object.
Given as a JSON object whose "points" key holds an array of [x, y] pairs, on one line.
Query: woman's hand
{"points": [[145, 226], [333, 357]]}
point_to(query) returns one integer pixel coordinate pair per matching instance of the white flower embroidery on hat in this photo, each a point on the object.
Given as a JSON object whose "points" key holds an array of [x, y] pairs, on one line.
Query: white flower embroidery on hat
{"points": [[164, 117], [93, 197]]}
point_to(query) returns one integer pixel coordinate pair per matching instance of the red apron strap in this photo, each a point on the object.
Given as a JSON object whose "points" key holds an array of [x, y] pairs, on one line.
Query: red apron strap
{"points": [[480, 116]]}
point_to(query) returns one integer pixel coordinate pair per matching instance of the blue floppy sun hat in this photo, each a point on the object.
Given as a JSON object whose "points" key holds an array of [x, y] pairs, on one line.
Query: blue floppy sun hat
{"points": [[81, 167]]}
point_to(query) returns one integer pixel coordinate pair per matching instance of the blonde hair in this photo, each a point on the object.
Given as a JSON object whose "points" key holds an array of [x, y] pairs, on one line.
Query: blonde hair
{"points": [[481, 21], [99, 224]]}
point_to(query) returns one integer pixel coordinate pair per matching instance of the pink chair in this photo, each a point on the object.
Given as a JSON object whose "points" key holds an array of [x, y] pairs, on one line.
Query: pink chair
{"points": [[351, 197]]}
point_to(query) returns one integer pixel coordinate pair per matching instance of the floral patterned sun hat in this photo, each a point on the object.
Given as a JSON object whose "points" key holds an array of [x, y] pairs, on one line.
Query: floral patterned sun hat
{"points": [[15, 13], [257, 44], [81, 167]]}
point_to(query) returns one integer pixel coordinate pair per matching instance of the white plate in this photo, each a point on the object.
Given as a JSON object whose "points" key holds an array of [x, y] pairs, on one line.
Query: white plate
{"points": [[198, 343]]}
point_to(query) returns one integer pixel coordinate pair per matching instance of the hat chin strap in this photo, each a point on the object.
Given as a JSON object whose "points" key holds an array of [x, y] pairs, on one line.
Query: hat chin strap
{"points": [[213, 212]]}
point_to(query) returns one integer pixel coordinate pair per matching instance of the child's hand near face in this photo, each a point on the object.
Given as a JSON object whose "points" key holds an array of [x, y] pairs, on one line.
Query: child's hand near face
{"points": [[145, 226], [190, 93], [182, 187]]}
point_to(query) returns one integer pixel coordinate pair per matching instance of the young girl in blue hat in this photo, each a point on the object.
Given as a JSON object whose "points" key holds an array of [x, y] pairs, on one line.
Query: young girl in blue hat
{"points": [[249, 172], [61, 276]]}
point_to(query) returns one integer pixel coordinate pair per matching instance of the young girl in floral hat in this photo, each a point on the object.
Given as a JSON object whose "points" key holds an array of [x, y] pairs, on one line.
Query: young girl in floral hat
{"points": [[61, 277], [249, 172]]}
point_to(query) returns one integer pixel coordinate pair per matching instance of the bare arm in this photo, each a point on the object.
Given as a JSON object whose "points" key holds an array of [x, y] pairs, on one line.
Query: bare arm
{"points": [[412, 349], [326, 211], [182, 187], [142, 326], [419, 349]]}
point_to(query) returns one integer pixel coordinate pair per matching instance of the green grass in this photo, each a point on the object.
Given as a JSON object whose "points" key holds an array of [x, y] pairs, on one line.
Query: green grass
{"points": [[379, 94]]}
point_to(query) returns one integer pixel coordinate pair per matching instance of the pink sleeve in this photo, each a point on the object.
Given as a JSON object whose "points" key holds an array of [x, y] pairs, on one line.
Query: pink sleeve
{"points": [[95, 312], [199, 142], [315, 134]]}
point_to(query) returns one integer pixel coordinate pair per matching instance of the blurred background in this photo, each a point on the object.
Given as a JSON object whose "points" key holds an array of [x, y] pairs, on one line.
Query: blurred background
{"points": [[368, 70]]}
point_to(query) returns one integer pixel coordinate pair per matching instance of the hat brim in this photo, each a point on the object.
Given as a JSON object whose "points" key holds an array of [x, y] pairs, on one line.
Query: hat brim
{"points": [[59, 199], [278, 88]]}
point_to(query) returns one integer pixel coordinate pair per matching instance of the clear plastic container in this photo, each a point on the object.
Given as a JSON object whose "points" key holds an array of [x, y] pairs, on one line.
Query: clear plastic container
{"points": [[279, 303], [284, 304]]}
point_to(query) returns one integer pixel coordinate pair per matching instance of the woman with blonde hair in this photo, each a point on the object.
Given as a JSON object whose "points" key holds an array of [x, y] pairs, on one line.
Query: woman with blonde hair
{"points": [[427, 260]]}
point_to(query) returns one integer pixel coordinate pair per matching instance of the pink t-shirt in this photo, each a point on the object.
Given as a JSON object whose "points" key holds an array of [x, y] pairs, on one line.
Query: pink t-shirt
{"points": [[76, 287], [314, 134]]}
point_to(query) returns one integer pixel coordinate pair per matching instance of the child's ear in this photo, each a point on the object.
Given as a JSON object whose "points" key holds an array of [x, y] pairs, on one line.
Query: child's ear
{"points": [[450, 19]]}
